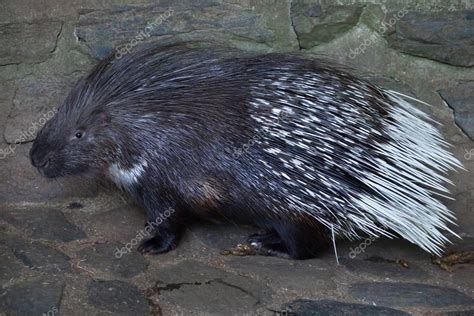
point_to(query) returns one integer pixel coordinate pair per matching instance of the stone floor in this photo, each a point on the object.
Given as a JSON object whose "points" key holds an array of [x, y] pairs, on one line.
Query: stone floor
{"points": [[68, 259]]}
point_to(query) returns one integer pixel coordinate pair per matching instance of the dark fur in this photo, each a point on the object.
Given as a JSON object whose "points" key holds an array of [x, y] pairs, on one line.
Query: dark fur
{"points": [[197, 101]]}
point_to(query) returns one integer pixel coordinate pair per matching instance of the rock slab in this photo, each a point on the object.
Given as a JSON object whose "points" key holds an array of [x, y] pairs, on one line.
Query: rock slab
{"points": [[335, 308], [408, 295], [447, 37]]}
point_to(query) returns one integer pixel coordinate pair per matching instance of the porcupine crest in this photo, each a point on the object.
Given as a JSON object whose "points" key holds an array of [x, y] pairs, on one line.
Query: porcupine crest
{"points": [[367, 159]]}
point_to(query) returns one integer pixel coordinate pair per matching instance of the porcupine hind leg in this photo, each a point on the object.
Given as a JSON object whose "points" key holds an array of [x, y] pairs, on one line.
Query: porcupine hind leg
{"points": [[292, 240], [268, 242]]}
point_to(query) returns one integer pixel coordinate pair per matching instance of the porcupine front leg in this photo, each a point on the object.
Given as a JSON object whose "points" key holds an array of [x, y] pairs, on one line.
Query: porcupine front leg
{"points": [[163, 223]]}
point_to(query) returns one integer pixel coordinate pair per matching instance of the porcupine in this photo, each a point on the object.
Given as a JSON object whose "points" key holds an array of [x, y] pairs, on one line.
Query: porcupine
{"points": [[175, 127]]}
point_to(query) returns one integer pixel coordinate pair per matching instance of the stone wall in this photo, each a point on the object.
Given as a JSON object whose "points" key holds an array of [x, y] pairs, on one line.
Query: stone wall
{"points": [[423, 48]]}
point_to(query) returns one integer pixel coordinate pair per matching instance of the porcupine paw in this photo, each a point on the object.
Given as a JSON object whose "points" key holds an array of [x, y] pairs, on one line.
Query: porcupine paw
{"points": [[156, 245], [268, 243]]}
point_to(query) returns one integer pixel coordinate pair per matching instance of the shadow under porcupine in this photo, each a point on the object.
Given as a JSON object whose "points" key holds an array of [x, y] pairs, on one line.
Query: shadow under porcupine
{"points": [[164, 124]]}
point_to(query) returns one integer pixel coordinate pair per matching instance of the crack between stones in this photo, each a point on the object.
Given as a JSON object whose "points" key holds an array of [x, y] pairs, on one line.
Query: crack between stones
{"points": [[52, 51], [238, 288], [11, 64], [150, 292], [290, 7], [57, 38], [8, 116], [453, 116]]}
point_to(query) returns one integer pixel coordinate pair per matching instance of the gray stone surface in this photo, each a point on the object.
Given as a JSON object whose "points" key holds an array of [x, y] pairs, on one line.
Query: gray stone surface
{"points": [[461, 99], [33, 297], [35, 102], [103, 257], [315, 24], [118, 223], [383, 267], [191, 286], [28, 42], [21, 183], [9, 265], [459, 313], [197, 279], [105, 31], [48, 224], [408, 295], [447, 37], [334, 308], [310, 276], [49, 44], [211, 297], [7, 92], [117, 297], [39, 257]]}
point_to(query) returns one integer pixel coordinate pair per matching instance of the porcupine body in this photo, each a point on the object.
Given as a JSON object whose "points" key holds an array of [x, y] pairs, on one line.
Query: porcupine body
{"points": [[294, 146]]}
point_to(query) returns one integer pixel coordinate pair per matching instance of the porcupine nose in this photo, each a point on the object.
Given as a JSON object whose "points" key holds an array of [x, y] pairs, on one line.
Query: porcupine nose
{"points": [[38, 160]]}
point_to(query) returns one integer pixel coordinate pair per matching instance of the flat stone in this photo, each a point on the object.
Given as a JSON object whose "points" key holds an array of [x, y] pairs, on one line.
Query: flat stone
{"points": [[314, 275], [34, 297], [463, 206], [393, 249], [37, 256], [462, 275], [35, 102], [408, 295], [121, 224], [212, 297], [9, 265], [191, 286], [28, 42], [117, 297], [384, 268], [460, 100], [447, 37], [31, 11], [22, 183], [7, 93], [458, 313], [110, 258], [315, 24], [50, 224], [104, 31], [327, 307], [372, 16]]}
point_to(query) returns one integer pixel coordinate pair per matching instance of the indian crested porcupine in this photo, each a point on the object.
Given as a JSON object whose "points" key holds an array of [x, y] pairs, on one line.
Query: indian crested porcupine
{"points": [[296, 146]]}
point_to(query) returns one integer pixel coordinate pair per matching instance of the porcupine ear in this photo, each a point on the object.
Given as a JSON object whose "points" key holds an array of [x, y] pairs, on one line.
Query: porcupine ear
{"points": [[103, 118]]}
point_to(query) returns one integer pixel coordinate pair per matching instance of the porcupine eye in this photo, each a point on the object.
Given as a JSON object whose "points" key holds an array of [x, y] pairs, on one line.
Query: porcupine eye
{"points": [[78, 134]]}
